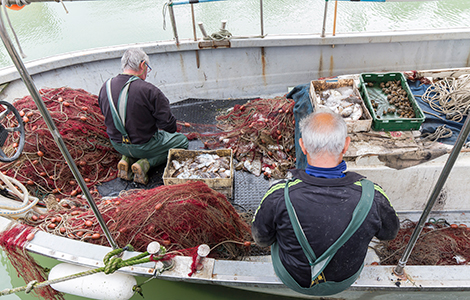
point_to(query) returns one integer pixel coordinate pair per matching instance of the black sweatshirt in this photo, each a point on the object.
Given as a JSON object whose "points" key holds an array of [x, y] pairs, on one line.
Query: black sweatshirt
{"points": [[148, 110], [324, 208]]}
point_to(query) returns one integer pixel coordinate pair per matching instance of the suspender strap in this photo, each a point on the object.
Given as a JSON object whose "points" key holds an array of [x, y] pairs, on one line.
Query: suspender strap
{"points": [[360, 212], [119, 116]]}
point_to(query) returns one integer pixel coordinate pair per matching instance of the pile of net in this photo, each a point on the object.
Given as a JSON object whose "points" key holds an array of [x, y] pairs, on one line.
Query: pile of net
{"points": [[42, 167], [180, 217], [438, 244], [260, 132], [12, 242]]}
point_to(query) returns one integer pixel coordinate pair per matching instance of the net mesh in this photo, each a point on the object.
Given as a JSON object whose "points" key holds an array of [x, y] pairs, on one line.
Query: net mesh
{"points": [[13, 242], [79, 121], [180, 217], [438, 244], [260, 132]]}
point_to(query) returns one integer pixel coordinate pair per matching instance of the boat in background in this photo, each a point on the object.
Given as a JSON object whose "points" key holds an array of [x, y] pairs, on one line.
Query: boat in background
{"points": [[270, 66]]}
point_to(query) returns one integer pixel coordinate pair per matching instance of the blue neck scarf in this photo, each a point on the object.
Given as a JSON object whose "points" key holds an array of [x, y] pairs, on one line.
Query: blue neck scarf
{"points": [[335, 172]]}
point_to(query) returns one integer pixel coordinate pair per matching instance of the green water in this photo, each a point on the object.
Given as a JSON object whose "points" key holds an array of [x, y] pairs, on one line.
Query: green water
{"points": [[155, 289], [45, 29]]}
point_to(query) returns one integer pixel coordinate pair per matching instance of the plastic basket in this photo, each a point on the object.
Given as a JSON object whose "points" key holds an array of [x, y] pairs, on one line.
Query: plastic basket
{"points": [[389, 122]]}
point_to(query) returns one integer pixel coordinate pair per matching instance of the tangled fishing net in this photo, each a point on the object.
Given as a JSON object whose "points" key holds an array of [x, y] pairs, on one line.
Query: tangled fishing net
{"points": [[438, 244], [260, 133], [12, 242], [180, 217], [78, 119]]}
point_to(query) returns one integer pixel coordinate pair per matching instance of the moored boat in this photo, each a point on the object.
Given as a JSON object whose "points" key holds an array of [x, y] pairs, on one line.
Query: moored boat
{"points": [[258, 67]]}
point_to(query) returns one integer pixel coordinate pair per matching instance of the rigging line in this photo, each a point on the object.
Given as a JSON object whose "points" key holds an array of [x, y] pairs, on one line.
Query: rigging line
{"points": [[11, 26]]}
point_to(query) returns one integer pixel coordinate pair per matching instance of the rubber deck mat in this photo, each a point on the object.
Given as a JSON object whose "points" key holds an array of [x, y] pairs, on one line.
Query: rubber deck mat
{"points": [[248, 188]]}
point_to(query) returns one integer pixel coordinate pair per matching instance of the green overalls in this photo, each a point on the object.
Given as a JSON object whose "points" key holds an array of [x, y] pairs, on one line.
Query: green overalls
{"points": [[156, 149], [320, 287]]}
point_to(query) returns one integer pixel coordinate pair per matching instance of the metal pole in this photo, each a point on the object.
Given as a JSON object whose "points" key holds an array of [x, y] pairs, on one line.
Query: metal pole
{"points": [[324, 19], [194, 33], [461, 139], [28, 81], [334, 21], [262, 17], [173, 21]]}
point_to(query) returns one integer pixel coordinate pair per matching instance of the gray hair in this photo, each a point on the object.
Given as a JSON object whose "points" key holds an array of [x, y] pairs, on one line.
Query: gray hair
{"points": [[320, 135], [132, 59]]}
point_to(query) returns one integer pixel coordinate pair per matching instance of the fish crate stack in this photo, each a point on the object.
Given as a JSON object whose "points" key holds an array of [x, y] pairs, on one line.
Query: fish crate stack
{"points": [[390, 102], [343, 97], [213, 167]]}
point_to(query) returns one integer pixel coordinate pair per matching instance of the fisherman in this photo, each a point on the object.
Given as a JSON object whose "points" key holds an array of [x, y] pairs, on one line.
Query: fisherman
{"points": [[138, 118], [315, 209]]}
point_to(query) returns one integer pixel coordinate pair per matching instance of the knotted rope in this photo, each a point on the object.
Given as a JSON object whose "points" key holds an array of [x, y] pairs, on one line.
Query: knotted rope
{"points": [[112, 263], [449, 96], [222, 34], [441, 132]]}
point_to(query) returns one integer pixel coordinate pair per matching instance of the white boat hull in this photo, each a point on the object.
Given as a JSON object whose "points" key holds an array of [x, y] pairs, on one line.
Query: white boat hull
{"points": [[259, 67]]}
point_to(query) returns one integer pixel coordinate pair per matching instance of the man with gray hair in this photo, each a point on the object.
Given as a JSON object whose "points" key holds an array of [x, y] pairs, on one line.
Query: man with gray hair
{"points": [[138, 118], [320, 222]]}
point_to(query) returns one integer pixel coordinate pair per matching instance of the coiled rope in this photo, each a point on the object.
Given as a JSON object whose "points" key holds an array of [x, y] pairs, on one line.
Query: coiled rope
{"points": [[221, 35], [112, 263], [449, 96], [28, 201]]}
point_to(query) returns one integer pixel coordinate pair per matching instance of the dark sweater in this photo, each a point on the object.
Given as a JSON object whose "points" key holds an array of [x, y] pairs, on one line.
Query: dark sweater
{"points": [[324, 208], [147, 110]]}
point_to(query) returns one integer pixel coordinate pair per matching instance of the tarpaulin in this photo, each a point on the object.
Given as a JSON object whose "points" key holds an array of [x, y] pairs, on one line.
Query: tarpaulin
{"points": [[432, 122]]}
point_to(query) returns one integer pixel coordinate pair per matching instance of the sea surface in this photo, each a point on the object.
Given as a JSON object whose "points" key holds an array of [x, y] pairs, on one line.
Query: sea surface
{"points": [[47, 29]]}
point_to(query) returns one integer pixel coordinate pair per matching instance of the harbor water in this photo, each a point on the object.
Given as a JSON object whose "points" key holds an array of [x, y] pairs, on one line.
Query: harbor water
{"points": [[47, 29]]}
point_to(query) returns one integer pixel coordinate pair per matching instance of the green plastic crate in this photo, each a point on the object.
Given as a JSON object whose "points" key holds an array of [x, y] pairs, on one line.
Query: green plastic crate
{"points": [[389, 122]]}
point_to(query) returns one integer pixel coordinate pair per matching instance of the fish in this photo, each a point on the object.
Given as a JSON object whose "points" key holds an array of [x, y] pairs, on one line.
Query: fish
{"points": [[203, 166]]}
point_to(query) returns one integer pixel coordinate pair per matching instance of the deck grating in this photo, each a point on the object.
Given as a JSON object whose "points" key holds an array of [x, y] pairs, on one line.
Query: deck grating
{"points": [[248, 188]]}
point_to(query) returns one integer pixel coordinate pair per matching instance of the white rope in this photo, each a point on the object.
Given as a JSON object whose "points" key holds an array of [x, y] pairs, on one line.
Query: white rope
{"points": [[449, 96], [222, 34], [28, 201]]}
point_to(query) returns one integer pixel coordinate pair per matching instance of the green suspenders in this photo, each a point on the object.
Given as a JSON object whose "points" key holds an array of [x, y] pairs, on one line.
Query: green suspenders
{"points": [[317, 265], [119, 116]]}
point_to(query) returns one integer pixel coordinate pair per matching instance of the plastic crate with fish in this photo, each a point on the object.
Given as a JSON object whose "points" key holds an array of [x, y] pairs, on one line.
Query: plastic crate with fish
{"points": [[214, 167], [390, 102], [343, 97]]}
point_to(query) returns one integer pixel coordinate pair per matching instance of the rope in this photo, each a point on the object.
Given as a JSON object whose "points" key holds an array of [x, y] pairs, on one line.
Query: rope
{"points": [[221, 35], [450, 97], [11, 26], [28, 201], [112, 263], [441, 132]]}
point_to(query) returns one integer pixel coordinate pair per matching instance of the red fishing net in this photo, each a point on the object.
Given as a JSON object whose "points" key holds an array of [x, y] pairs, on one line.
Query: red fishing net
{"points": [[179, 217], [42, 167], [438, 244], [260, 132], [12, 242]]}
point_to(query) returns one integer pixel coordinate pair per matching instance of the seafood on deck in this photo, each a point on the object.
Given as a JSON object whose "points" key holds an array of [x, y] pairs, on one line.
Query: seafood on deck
{"points": [[203, 166], [343, 101]]}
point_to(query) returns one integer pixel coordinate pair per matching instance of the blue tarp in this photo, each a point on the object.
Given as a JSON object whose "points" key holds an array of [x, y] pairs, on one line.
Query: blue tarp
{"points": [[303, 107], [432, 122]]}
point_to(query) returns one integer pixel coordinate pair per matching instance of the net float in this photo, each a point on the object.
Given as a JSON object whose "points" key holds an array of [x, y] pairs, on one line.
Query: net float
{"points": [[30, 236]]}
